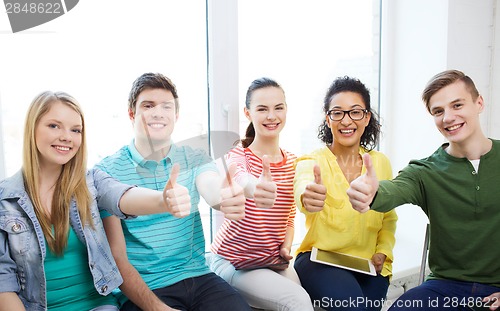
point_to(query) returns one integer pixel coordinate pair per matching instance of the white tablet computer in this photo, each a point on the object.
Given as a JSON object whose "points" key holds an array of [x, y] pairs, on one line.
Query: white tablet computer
{"points": [[344, 261]]}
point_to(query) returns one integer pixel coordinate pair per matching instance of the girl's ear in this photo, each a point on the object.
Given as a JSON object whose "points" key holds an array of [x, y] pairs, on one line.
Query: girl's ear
{"points": [[368, 117], [247, 113]]}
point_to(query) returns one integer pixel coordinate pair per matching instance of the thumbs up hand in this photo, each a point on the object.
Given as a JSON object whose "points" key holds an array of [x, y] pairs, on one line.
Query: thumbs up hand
{"points": [[313, 198], [176, 196], [265, 190], [232, 197], [363, 189]]}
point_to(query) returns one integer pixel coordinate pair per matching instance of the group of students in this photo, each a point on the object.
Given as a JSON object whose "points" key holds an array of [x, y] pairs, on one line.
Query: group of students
{"points": [[130, 226]]}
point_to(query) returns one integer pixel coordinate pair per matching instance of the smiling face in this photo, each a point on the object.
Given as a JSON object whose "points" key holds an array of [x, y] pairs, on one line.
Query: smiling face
{"points": [[267, 112], [347, 132], [456, 113], [154, 119], [58, 135]]}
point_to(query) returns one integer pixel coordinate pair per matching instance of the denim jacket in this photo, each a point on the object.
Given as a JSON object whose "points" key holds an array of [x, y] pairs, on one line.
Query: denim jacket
{"points": [[22, 243]]}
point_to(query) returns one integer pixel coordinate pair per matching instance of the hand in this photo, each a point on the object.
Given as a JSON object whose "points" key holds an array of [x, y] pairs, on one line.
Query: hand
{"points": [[161, 307], [265, 190], [175, 196], [285, 262], [378, 260], [285, 253], [232, 197], [313, 198], [493, 301], [363, 188]]}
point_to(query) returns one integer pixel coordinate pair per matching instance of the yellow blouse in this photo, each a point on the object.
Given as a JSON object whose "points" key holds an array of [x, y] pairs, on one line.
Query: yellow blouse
{"points": [[338, 227]]}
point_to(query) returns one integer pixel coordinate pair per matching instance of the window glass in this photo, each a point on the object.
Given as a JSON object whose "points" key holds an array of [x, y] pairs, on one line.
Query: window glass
{"points": [[304, 46], [94, 52]]}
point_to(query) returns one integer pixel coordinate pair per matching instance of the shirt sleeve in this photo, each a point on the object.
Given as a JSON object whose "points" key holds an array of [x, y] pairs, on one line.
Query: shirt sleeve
{"points": [[200, 161], [386, 236], [304, 175], [291, 217], [8, 276], [237, 157], [405, 188], [108, 193]]}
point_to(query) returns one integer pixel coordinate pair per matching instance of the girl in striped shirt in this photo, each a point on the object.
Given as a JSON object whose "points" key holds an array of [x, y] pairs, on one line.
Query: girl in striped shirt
{"points": [[252, 254]]}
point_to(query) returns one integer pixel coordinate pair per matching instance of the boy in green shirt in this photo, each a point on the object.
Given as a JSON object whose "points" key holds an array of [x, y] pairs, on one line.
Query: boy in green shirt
{"points": [[461, 201]]}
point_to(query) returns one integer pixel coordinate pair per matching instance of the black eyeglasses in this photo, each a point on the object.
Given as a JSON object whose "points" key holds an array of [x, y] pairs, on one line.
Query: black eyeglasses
{"points": [[354, 114]]}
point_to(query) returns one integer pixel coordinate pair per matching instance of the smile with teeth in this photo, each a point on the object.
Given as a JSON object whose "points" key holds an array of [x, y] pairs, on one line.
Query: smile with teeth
{"points": [[62, 148], [272, 126], [348, 131], [156, 125], [454, 127]]}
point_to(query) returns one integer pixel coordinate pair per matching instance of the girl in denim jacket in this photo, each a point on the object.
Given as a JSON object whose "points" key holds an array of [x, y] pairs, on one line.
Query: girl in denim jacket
{"points": [[53, 248]]}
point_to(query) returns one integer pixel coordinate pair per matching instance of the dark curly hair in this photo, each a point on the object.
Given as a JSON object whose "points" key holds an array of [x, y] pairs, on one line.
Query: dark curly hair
{"points": [[371, 135]]}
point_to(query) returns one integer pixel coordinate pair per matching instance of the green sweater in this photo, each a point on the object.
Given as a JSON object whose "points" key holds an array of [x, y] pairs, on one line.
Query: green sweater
{"points": [[463, 207]]}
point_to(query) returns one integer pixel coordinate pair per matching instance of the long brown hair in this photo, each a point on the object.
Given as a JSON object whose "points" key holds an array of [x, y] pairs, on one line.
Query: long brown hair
{"points": [[70, 184]]}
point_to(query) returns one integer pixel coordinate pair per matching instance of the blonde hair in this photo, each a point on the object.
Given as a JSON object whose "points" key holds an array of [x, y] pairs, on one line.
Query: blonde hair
{"points": [[70, 184]]}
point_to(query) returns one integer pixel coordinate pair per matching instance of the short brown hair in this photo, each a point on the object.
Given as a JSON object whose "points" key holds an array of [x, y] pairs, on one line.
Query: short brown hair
{"points": [[444, 79], [151, 81]]}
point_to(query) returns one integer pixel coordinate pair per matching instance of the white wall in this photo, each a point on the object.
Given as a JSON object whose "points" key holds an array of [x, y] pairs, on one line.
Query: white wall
{"points": [[470, 46], [494, 103], [419, 39], [2, 161]]}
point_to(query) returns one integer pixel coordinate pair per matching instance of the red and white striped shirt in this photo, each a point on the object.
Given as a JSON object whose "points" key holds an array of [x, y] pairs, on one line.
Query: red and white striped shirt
{"points": [[255, 240]]}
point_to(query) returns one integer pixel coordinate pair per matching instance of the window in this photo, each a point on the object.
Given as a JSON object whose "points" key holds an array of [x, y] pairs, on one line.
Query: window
{"points": [[94, 52], [304, 47], [97, 64]]}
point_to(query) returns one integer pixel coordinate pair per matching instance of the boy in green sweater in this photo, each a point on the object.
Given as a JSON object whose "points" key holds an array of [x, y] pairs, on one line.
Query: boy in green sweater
{"points": [[458, 189]]}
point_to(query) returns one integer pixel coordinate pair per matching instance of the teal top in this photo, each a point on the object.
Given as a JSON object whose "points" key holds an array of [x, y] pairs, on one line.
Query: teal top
{"points": [[69, 281], [463, 207], [164, 249]]}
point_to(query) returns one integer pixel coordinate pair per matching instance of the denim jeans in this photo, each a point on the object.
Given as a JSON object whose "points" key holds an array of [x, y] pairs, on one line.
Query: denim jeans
{"points": [[204, 293], [333, 288], [105, 308], [444, 295]]}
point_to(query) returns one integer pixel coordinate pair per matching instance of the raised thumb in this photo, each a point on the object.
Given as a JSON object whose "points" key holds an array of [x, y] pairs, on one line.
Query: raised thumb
{"points": [[174, 173], [370, 170], [266, 169], [230, 173], [317, 174]]}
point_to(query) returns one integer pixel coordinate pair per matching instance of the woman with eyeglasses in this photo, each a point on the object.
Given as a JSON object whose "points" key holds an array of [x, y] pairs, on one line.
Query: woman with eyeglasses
{"points": [[322, 178]]}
